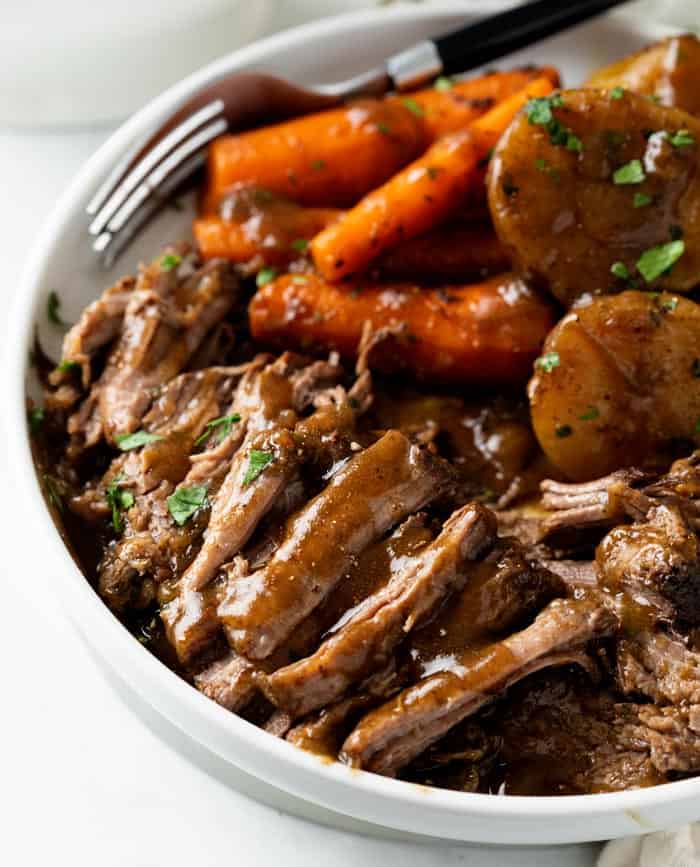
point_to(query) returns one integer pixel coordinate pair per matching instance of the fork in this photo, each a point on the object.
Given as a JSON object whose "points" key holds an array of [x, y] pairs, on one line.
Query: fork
{"points": [[150, 173]]}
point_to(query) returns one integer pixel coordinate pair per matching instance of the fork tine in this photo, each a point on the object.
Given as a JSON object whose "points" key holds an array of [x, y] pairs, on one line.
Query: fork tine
{"points": [[110, 245], [153, 191], [109, 199], [153, 182]]}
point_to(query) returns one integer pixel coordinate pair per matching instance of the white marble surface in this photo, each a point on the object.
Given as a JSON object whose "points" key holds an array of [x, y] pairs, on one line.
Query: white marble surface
{"points": [[86, 779]]}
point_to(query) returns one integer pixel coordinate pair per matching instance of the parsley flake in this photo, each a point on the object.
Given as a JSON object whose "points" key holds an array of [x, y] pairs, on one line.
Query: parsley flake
{"points": [[682, 139], [414, 107], [35, 419], [66, 366], [641, 200], [548, 361], [265, 275], [563, 431], [119, 501], [127, 442], [300, 245], [53, 304], [384, 129], [590, 414], [185, 502], [631, 173], [256, 464], [657, 260], [53, 492], [225, 423], [317, 165], [619, 269], [170, 261], [696, 430], [617, 93], [443, 82], [695, 368]]}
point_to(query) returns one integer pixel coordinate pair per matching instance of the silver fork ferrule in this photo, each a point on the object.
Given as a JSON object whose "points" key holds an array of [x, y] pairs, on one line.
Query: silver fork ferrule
{"points": [[414, 66]]}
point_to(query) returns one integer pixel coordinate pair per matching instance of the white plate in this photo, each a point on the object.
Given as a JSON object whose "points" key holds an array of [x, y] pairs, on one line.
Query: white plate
{"points": [[61, 261]]}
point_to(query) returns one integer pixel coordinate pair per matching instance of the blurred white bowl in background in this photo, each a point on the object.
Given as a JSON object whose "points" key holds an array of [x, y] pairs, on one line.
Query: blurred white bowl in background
{"points": [[78, 62]]}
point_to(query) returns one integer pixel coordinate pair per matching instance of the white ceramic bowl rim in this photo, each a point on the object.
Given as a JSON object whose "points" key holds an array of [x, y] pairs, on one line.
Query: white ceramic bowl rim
{"points": [[261, 752]]}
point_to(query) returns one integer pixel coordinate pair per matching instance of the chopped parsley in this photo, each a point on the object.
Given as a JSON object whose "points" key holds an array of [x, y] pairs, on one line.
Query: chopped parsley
{"points": [[256, 464], [653, 97], [185, 502], [630, 173], [265, 275], [641, 200], [539, 109], [413, 107], [695, 368], [53, 493], [119, 501], [300, 245], [548, 361], [384, 129], [682, 139], [317, 165], [563, 431], [539, 113], [617, 93], [300, 278], [66, 366], [53, 304], [657, 260], [170, 261], [590, 414], [443, 82], [433, 172], [35, 419], [225, 424], [696, 429], [127, 442], [620, 270]]}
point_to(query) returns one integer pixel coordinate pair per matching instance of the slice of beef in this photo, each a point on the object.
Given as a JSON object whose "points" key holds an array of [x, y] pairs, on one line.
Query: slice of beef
{"points": [[656, 563], [559, 733], [504, 592], [99, 324], [165, 320], [659, 666], [248, 492], [179, 415], [575, 574], [602, 503], [152, 545], [388, 738], [365, 642], [374, 491], [673, 734], [681, 487], [229, 682], [323, 733]]}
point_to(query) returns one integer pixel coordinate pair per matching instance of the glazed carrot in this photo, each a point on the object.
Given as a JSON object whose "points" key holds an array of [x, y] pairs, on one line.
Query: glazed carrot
{"points": [[454, 105], [453, 252], [482, 333], [327, 159], [420, 196], [257, 228]]}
